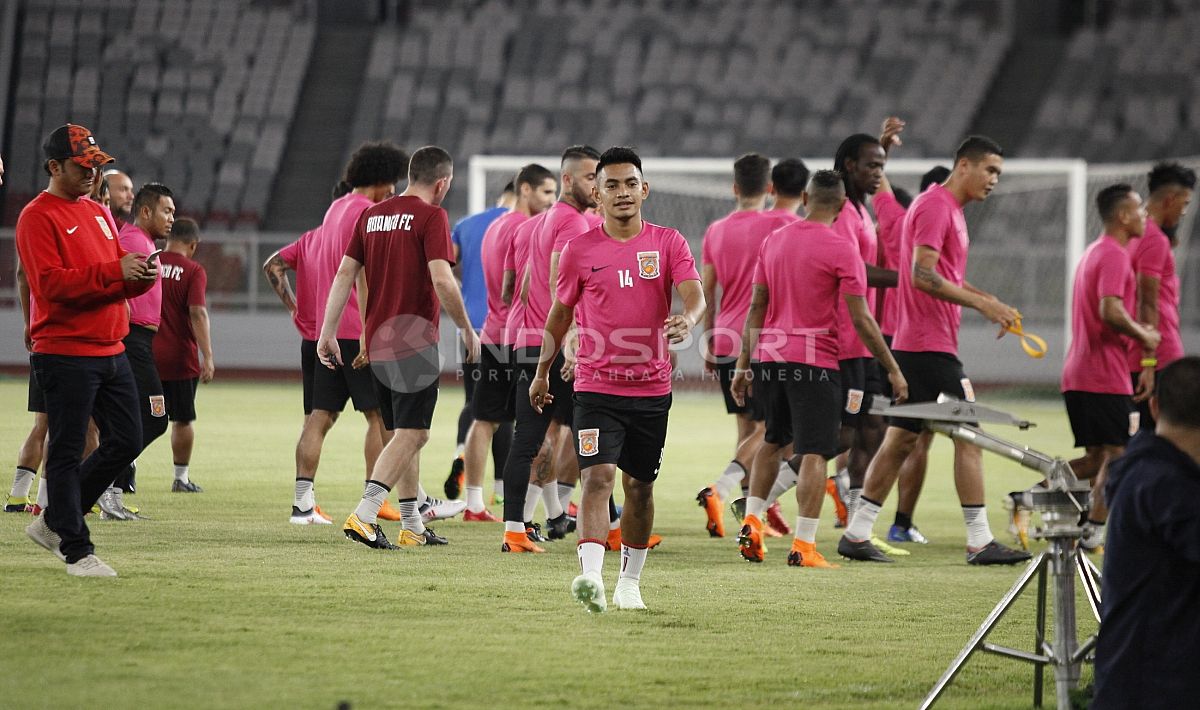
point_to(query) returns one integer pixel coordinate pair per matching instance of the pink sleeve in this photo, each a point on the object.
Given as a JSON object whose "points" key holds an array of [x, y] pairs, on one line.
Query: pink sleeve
{"points": [[355, 249], [851, 273], [568, 231], [888, 209], [930, 227], [683, 264], [569, 285], [291, 253], [760, 273], [1153, 258], [508, 262], [1112, 275]]}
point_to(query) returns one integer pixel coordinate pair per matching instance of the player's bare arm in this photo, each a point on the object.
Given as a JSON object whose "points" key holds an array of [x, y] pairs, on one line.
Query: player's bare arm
{"points": [[275, 269], [679, 326], [1147, 299], [740, 386], [558, 322], [868, 332], [928, 280], [328, 351], [360, 286], [198, 320], [1114, 315], [708, 273], [449, 294], [508, 286]]}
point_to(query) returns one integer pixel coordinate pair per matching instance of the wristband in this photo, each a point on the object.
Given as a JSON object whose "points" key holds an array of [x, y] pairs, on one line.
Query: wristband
{"points": [[1149, 362]]}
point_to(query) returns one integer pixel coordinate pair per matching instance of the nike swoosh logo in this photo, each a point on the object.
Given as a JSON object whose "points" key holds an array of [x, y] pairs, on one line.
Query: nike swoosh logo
{"points": [[598, 268], [72, 229]]}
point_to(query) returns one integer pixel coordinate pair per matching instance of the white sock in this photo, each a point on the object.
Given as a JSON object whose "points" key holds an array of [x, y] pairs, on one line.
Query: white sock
{"points": [[475, 499], [733, 475], [531, 500], [21, 482], [853, 497], [784, 482], [458, 450], [632, 560], [565, 490], [979, 533], [374, 494], [514, 527], [806, 528], [554, 507], [43, 494], [410, 516], [615, 524], [304, 494], [864, 520], [181, 473], [422, 496], [591, 557], [498, 488], [756, 507]]}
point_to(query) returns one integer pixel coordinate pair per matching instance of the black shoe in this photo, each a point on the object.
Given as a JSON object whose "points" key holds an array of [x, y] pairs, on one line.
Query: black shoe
{"points": [[534, 532], [178, 486], [432, 538], [453, 485], [862, 551], [570, 524], [994, 553], [351, 530], [557, 528]]}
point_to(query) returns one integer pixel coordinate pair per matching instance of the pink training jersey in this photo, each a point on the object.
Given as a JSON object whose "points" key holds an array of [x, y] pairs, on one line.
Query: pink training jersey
{"points": [[925, 323], [298, 256], [497, 242], [594, 220], [808, 269], [854, 223], [146, 309], [1096, 359], [517, 259], [621, 292], [333, 238], [562, 224], [731, 246], [891, 219], [1151, 255]]}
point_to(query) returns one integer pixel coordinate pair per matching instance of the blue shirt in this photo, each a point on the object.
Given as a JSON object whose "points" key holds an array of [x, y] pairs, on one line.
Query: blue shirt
{"points": [[467, 235]]}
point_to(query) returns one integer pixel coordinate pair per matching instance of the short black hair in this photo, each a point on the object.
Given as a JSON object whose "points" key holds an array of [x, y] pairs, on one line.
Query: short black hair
{"points": [[826, 188], [577, 152], [1178, 391], [509, 188], [341, 189], [751, 174], [1110, 198], [149, 195], [789, 176], [185, 230], [429, 164], [976, 148], [532, 175], [1165, 174], [619, 155], [904, 197], [380, 163], [936, 175]]}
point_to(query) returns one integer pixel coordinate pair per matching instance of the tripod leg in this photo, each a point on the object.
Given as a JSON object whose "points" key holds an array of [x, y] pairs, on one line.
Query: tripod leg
{"points": [[1062, 557], [1039, 669], [989, 623], [1089, 576]]}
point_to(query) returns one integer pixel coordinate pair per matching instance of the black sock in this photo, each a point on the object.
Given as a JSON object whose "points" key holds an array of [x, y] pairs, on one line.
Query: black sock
{"points": [[903, 521]]}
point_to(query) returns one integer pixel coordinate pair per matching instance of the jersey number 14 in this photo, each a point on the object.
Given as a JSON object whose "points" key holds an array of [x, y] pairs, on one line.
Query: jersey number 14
{"points": [[625, 278]]}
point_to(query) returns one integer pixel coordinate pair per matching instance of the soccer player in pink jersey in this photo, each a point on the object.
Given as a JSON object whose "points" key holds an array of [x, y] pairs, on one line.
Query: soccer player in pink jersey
{"points": [[1171, 187], [932, 293], [492, 403], [616, 282], [1095, 381], [562, 222], [803, 273], [728, 255]]}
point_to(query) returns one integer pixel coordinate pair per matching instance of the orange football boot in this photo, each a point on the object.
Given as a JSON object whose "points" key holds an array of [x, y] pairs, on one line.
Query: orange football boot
{"points": [[750, 540], [518, 542], [387, 512], [711, 502], [804, 554]]}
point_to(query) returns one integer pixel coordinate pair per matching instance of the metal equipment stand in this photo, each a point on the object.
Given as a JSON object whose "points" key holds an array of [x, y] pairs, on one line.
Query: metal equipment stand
{"points": [[1062, 505]]}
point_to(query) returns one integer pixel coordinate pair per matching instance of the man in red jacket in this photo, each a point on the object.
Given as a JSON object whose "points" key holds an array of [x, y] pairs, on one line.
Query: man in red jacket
{"points": [[79, 278]]}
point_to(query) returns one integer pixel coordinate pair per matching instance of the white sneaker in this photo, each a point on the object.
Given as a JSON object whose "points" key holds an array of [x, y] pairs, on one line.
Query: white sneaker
{"points": [[628, 595], [90, 566], [438, 509], [40, 532], [312, 516], [588, 590], [111, 507]]}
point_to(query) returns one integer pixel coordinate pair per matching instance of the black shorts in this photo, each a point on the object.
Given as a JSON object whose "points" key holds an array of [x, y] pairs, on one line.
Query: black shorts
{"points": [[860, 383], [139, 348], [1145, 417], [627, 431], [753, 407], [524, 367], [405, 410], [492, 399], [1101, 419], [331, 388], [37, 400], [181, 399], [929, 375], [801, 403], [308, 370]]}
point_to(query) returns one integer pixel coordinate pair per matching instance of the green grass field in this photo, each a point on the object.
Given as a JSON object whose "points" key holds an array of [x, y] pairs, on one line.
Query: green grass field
{"points": [[222, 603]]}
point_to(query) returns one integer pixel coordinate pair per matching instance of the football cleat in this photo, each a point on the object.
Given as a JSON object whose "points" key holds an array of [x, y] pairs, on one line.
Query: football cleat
{"points": [[178, 486], [16, 505], [534, 532], [516, 542], [861, 550], [775, 519], [653, 542], [994, 553], [438, 509], [899, 534], [557, 528], [312, 516], [454, 482], [888, 549], [839, 504], [369, 534], [588, 590], [804, 554], [571, 521], [35, 509], [711, 502], [628, 595], [483, 516], [408, 538], [613, 542], [387, 511], [750, 542], [110, 506]]}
